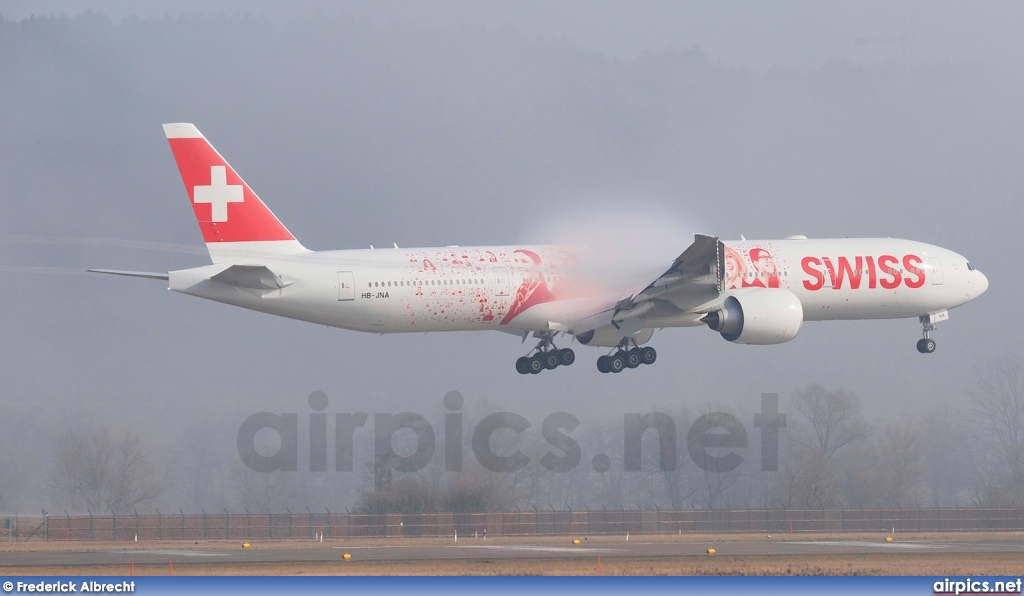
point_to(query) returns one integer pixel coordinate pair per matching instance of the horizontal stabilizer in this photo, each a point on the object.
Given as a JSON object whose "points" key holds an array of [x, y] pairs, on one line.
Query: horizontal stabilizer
{"points": [[251, 277], [144, 274]]}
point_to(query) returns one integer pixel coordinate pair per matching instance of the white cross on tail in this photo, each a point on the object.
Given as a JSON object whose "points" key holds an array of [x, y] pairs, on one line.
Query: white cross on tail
{"points": [[218, 194]]}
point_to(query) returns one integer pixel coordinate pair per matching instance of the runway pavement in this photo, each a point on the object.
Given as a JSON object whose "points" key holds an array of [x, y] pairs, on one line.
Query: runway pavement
{"points": [[479, 551]]}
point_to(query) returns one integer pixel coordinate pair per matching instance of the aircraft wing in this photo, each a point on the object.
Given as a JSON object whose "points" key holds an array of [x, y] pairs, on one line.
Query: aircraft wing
{"points": [[693, 279]]}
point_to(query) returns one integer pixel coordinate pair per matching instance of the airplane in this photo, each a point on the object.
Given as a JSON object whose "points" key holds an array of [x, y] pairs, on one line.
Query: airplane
{"points": [[756, 292]]}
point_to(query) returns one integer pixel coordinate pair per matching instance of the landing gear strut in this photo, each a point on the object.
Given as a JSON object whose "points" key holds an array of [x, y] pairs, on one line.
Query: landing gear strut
{"points": [[926, 345], [545, 356], [624, 357]]}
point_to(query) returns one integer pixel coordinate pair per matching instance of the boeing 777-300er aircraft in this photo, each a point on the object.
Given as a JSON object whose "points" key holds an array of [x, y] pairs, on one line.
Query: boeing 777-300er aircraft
{"points": [[751, 291]]}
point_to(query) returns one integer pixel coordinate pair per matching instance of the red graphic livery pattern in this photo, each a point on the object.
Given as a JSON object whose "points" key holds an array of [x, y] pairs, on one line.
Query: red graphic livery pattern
{"points": [[885, 271], [756, 266], [457, 286], [748, 266]]}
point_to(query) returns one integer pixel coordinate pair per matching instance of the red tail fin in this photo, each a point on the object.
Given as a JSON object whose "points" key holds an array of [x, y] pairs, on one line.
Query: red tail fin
{"points": [[234, 221]]}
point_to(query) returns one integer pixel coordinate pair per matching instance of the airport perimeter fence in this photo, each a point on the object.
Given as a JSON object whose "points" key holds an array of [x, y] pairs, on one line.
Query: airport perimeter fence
{"points": [[531, 522], [309, 524]]}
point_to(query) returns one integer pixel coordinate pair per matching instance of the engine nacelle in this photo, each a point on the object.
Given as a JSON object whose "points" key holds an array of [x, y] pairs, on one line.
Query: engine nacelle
{"points": [[758, 317], [608, 336]]}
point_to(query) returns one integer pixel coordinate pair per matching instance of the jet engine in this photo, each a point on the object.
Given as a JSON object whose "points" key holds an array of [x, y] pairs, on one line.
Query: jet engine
{"points": [[758, 317]]}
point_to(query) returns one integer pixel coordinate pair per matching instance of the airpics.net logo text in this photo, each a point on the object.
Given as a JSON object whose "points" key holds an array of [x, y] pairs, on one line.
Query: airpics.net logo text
{"points": [[716, 442]]}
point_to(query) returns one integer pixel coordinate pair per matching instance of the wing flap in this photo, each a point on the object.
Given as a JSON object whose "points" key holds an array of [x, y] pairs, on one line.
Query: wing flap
{"points": [[693, 278]]}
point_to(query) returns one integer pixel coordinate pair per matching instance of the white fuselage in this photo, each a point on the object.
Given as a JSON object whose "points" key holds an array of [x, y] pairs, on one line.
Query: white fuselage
{"points": [[526, 288]]}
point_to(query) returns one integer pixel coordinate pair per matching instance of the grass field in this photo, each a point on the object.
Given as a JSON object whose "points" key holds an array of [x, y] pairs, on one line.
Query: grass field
{"points": [[888, 563]]}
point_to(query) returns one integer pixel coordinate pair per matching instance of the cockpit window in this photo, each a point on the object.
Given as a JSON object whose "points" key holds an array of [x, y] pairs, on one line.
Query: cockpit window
{"points": [[969, 267]]}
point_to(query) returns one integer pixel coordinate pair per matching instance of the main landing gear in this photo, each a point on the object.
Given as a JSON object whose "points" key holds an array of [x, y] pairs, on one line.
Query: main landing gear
{"points": [[926, 345], [625, 357], [545, 357]]}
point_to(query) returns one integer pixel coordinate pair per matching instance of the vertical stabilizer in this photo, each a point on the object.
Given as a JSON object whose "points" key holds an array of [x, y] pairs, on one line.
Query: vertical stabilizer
{"points": [[234, 221]]}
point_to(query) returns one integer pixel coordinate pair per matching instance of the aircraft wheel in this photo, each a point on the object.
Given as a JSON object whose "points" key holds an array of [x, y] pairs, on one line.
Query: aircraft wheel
{"points": [[648, 355], [550, 359], [632, 358], [536, 365], [926, 346], [603, 365], [616, 363], [523, 365], [566, 357]]}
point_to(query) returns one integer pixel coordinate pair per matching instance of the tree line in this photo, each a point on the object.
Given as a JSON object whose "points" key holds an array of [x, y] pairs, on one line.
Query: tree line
{"points": [[830, 456]]}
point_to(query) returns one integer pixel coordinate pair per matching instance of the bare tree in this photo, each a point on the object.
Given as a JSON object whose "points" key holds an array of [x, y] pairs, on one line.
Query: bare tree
{"points": [[466, 495], [899, 470], [102, 473], [408, 494], [678, 483], [998, 419], [948, 455], [201, 473], [262, 491], [834, 418], [807, 481], [826, 422], [714, 475]]}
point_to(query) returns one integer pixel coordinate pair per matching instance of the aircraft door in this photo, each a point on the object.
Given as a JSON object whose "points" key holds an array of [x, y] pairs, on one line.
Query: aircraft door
{"points": [[346, 286], [501, 286], [936, 271]]}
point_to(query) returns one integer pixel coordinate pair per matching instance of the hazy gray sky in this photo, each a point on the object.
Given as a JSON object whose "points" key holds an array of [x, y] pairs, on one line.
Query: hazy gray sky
{"points": [[794, 34], [437, 123]]}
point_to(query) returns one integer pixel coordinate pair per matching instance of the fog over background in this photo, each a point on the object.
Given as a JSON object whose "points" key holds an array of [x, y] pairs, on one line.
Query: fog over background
{"points": [[440, 123]]}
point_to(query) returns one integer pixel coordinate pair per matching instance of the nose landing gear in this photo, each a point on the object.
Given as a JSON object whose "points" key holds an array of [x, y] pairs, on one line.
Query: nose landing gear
{"points": [[926, 345]]}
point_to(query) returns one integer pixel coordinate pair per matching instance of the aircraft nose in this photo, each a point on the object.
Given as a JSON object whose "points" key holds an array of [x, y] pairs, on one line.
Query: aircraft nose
{"points": [[982, 283]]}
